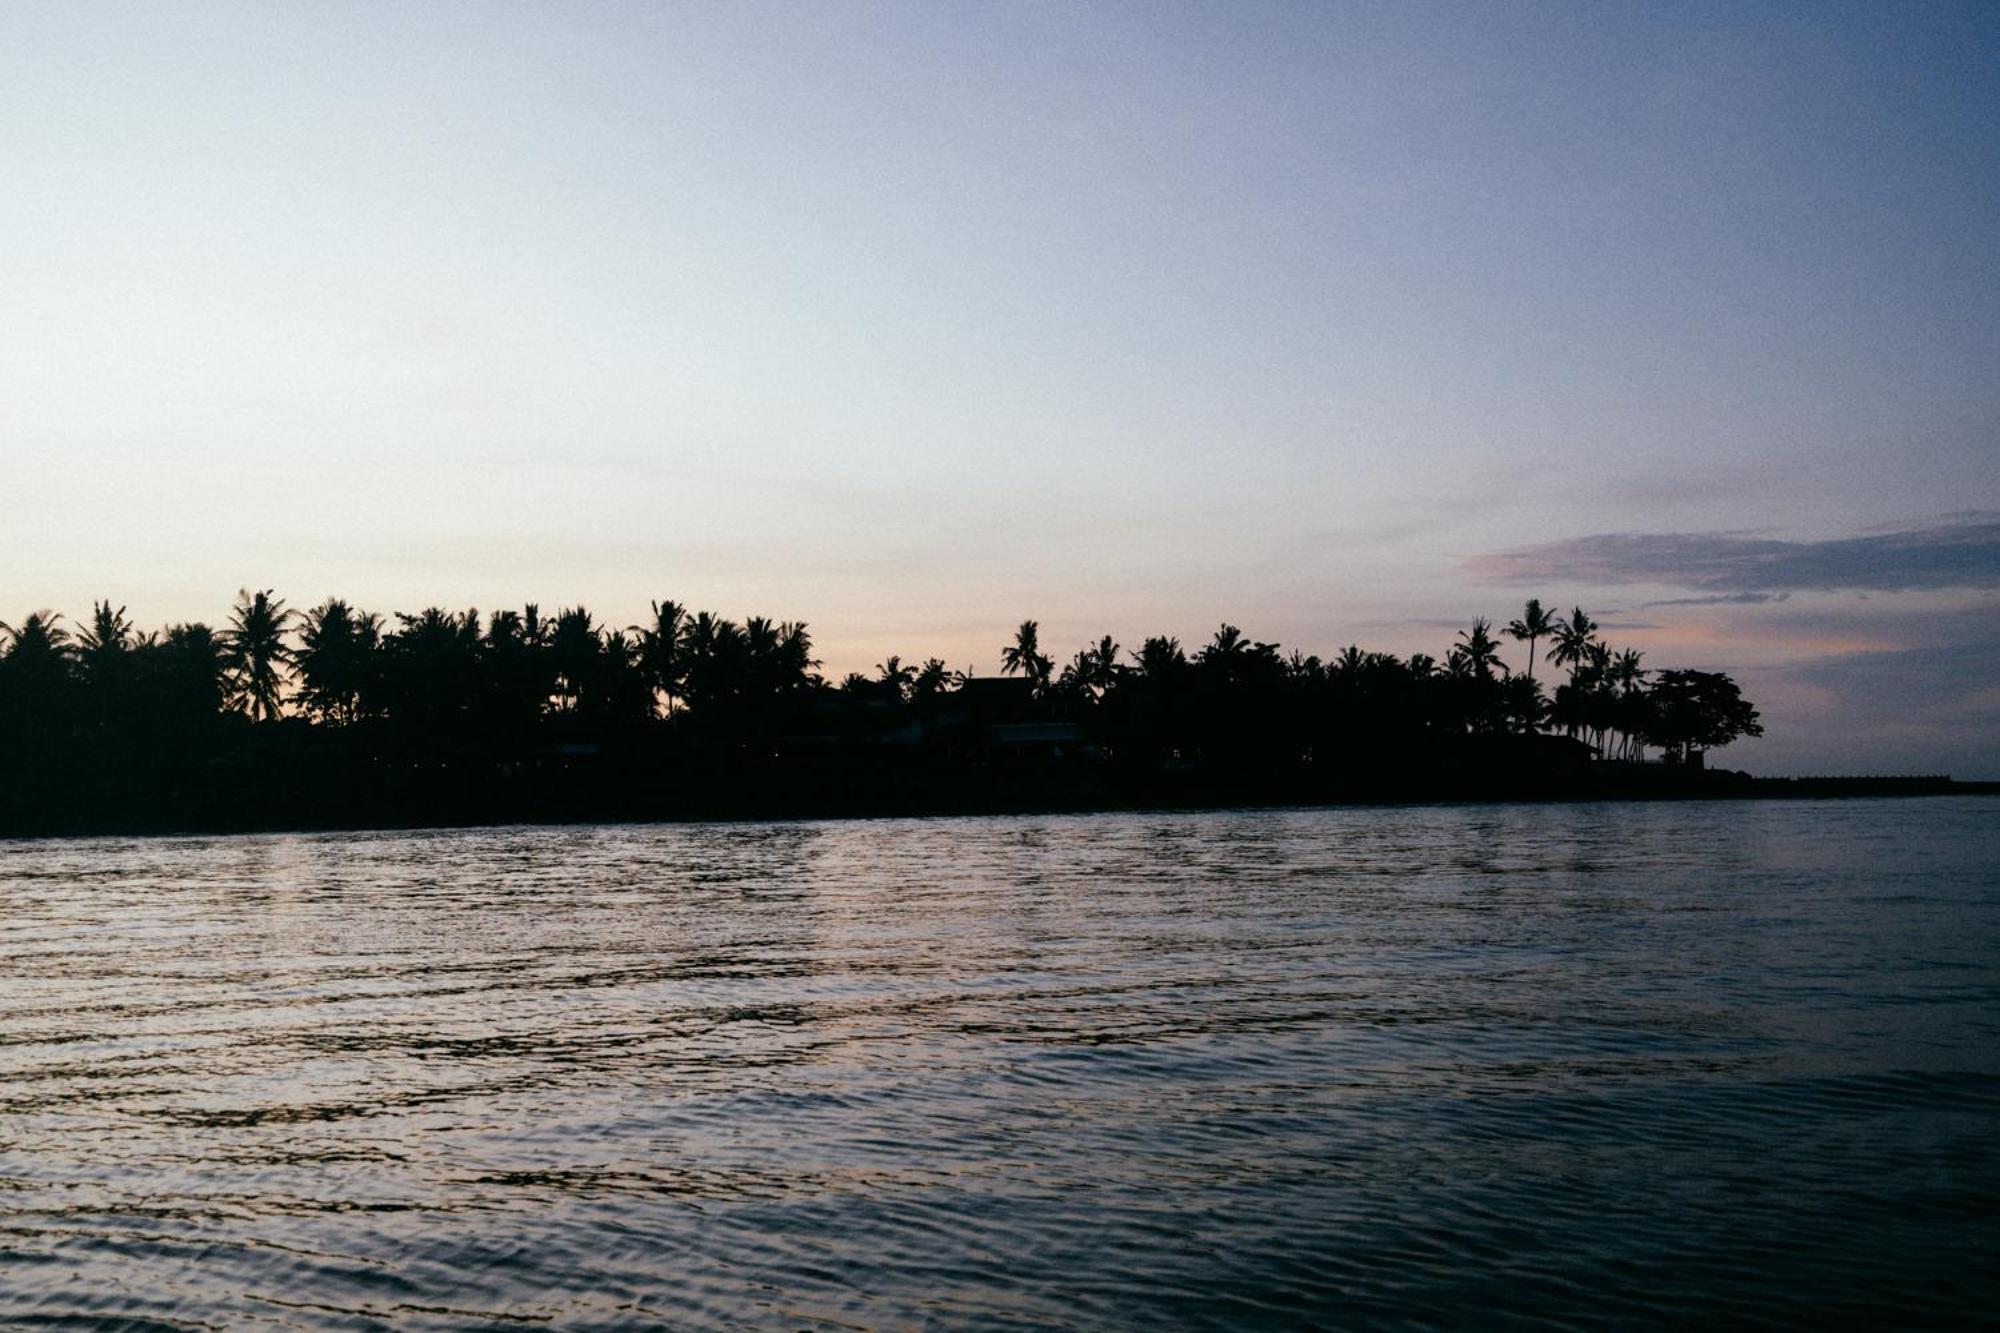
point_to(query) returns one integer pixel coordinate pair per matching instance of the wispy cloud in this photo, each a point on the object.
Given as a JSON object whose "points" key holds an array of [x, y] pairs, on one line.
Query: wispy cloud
{"points": [[1723, 599], [1962, 551]]}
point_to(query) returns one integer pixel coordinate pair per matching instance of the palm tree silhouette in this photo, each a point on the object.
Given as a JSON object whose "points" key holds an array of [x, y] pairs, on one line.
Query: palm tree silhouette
{"points": [[1024, 655], [336, 651], [1228, 643], [796, 664], [1624, 673], [932, 679], [190, 665], [254, 654], [1479, 650], [1095, 670], [895, 678], [110, 633], [39, 638], [103, 651], [574, 649], [1160, 659], [1535, 623], [1573, 638], [661, 652]]}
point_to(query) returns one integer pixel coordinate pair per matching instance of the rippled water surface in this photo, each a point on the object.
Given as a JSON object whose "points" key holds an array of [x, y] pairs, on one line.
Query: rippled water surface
{"points": [[1461, 1066]]}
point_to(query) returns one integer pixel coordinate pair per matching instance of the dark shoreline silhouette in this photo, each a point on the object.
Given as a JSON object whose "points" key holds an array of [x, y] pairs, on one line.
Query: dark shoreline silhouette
{"points": [[331, 719]]}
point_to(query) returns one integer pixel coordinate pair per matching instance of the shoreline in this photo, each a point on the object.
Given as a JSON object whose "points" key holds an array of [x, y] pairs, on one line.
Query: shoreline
{"points": [[1718, 785]]}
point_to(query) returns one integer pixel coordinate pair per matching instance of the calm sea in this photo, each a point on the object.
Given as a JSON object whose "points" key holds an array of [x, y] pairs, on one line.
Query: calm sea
{"points": [[1457, 1066]]}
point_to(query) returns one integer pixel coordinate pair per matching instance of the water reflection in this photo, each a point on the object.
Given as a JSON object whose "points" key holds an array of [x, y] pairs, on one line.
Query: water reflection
{"points": [[1430, 1065]]}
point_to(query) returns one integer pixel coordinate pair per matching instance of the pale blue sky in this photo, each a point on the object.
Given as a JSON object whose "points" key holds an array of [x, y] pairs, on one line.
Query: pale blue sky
{"points": [[914, 321]]}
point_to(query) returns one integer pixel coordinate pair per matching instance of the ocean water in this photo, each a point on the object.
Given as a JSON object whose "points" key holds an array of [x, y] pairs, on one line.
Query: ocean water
{"points": [[1579, 1065]]}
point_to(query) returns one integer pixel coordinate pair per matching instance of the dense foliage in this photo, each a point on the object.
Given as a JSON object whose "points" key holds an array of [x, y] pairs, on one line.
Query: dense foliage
{"points": [[334, 714]]}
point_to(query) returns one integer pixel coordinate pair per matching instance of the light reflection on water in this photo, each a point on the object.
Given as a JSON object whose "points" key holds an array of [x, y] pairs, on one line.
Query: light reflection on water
{"points": [[1383, 1066]]}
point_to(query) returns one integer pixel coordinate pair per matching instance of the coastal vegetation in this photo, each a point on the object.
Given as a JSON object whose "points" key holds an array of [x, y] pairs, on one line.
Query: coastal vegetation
{"points": [[332, 714]]}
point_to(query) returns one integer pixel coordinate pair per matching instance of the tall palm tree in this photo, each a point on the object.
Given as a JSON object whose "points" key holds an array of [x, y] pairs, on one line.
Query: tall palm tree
{"points": [[1624, 673], [661, 650], [762, 669], [336, 652], [1572, 640], [896, 679], [1227, 644], [1160, 659], [109, 631], [715, 659], [38, 637], [104, 648], [1224, 659], [1479, 651], [191, 662], [534, 630], [575, 647], [1535, 623], [795, 660], [1025, 656], [932, 679], [623, 689], [1099, 665], [254, 654]]}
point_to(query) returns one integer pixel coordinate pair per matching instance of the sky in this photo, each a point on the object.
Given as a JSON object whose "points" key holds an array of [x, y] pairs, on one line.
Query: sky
{"points": [[1341, 323]]}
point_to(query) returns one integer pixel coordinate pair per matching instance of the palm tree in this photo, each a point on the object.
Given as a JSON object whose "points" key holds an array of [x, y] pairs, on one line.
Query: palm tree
{"points": [[1573, 638], [762, 669], [1625, 673], [1074, 682], [1094, 671], [1227, 644], [623, 690], [38, 638], [254, 654], [190, 663], [932, 679], [1025, 656], [110, 633], [1535, 623], [431, 677], [715, 654], [335, 658], [1479, 650], [660, 650], [796, 663], [574, 649], [1523, 704], [1160, 659], [515, 677], [1104, 668], [1592, 680], [534, 630], [1226, 658], [895, 679], [104, 652]]}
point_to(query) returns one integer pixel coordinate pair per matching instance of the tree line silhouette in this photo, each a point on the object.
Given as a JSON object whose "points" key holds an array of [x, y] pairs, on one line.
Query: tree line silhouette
{"points": [[336, 715]]}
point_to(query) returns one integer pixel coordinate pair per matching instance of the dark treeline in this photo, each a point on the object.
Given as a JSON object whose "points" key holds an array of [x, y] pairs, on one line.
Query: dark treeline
{"points": [[336, 716]]}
